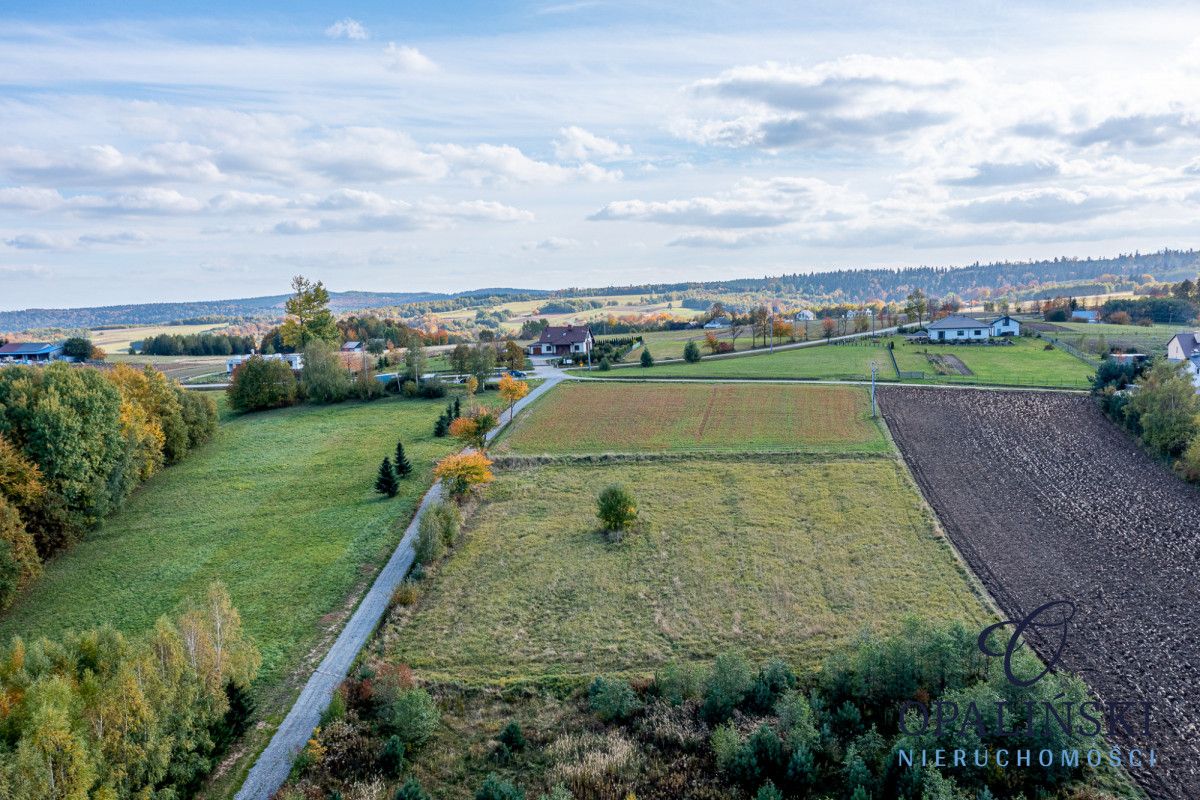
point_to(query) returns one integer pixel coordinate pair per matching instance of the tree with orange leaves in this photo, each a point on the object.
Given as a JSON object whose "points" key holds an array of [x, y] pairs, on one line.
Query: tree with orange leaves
{"points": [[473, 429], [462, 471]]}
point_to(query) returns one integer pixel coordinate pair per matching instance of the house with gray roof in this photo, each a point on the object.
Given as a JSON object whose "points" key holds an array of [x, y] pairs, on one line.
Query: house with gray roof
{"points": [[1185, 347], [30, 352], [961, 328]]}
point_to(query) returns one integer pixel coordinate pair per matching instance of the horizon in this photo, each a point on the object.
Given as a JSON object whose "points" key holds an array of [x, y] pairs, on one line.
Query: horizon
{"points": [[215, 151]]}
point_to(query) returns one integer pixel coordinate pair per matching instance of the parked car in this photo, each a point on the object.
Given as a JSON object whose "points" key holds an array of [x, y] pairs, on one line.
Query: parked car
{"points": [[516, 373]]}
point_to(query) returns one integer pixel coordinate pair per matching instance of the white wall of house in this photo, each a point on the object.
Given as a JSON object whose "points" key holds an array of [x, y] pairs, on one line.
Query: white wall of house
{"points": [[959, 334], [1175, 350], [1006, 325]]}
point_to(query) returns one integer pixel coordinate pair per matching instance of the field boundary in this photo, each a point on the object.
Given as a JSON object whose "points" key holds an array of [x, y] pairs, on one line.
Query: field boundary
{"points": [[956, 384], [533, 461]]}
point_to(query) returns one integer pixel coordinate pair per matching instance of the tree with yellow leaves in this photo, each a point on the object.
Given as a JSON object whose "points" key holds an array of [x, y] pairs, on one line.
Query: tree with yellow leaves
{"points": [[462, 471], [473, 429], [512, 390]]}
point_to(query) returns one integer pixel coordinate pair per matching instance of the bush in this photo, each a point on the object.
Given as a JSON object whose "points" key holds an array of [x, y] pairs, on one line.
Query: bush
{"points": [[513, 737], [728, 683], [413, 717], [391, 760], [647, 359], [433, 389], [605, 364], [406, 594], [774, 679], [411, 790], [259, 384], [615, 508], [612, 700], [495, 788], [429, 539], [324, 378], [677, 682], [448, 521], [691, 352]]}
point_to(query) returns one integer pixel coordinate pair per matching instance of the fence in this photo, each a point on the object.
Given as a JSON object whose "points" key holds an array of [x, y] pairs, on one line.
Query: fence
{"points": [[1086, 358]]}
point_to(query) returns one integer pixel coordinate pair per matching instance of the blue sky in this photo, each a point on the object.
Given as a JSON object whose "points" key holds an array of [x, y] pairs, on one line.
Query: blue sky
{"points": [[179, 151]]}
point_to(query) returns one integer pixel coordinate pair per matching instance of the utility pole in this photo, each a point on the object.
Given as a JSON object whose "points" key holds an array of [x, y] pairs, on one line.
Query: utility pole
{"points": [[874, 370], [771, 327]]}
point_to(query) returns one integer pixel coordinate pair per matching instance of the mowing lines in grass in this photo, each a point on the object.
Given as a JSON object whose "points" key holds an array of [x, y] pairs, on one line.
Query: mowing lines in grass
{"points": [[595, 417]]}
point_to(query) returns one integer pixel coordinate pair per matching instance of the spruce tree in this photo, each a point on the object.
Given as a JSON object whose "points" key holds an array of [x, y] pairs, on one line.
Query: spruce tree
{"points": [[386, 482], [403, 465], [441, 427], [457, 408], [647, 359]]}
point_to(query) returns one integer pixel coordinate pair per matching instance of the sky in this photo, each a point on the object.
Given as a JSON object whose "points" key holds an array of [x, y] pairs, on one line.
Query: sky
{"points": [[182, 151]]}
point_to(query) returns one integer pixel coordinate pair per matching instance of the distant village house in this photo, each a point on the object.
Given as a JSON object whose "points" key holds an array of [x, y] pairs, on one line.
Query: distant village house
{"points": [[31, 352], [294, 360], [1185, 348], [961, 328]]}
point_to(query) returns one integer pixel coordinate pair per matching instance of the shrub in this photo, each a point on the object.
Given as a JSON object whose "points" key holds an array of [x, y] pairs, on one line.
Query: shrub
{"points": [[774, 679], [411, 790], [612, 700], [448, 521], [258, 384], [442, 426], [691, 352], [513, 737], [725, 744], [391, 759], [409, 389], [429, 540], [413, 717], [324, 378], [495, 788], [677, 682], [406, 594], [768, 792], [461, 471], [605, 364], [729, 680], [433, 389], [615, 508], [647, 359]]}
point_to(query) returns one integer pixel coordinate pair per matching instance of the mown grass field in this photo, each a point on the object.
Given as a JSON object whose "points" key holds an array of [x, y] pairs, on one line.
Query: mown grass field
{"points": [[770, 558], [279, 506], [596, 417], [1025, 363], [117, 340], [1151, 340]]}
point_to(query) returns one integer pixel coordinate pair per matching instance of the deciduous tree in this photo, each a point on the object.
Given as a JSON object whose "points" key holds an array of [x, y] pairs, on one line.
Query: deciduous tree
{"points": [[512, 390], [462, 471]]}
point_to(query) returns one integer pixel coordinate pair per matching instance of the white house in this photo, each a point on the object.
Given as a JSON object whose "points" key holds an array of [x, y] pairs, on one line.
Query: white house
{"points": [[804, 315], [1005, 326], [1185, 347], [717, 322], [958, 328], [563, 340], [1083, 315], [293, 360]]}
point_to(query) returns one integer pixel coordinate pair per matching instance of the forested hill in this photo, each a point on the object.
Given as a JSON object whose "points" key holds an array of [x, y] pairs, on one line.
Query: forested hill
{"points": [[1018, 277], [219, 310]]}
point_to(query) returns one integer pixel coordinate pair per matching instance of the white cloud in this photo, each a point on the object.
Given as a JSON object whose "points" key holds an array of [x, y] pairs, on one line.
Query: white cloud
{"points": [[708, 211], [1048, 206], [576, 144], [552, 244], [346, 29], [356, 210], [402, 58], [489, 163], [104, 164]]}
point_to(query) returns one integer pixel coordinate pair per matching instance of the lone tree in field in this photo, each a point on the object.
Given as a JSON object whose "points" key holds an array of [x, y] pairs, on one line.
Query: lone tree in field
{"points": [[308, 315], [473, 430], [828, 326], [461, 471], [403, 465], [615, 508], [691, 352], [512, 390], [916, 304], [386, 482], [647, 359]]}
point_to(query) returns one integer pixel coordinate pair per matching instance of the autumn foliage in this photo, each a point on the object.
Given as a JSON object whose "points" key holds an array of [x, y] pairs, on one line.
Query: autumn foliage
{"points": [[462, 471]]}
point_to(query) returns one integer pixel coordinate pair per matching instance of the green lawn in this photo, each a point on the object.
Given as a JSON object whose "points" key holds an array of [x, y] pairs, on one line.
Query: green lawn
{"points": [[772, 558], [278, 506], [670, 344], [599, 417], [1026, 363], [1094, 338]]}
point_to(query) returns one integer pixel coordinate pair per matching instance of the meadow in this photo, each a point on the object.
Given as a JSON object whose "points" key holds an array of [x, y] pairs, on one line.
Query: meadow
{"points": [[279, 506], [1025, 363], [770, 558], [118, 340], [598, 417]]}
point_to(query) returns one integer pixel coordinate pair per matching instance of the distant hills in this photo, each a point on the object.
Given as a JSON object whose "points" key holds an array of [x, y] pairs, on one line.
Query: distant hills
{"points": [[247, 308], [1016, 279]]}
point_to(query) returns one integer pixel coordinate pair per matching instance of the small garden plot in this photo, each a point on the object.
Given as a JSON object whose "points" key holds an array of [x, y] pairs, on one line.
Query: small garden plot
{"points": [[771, 558], [596, 417], [1024, 362]]}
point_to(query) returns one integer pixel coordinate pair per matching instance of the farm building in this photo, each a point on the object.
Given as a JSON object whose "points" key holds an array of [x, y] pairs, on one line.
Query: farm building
{"points": [[352, 347], [961, 328], [31, 352], [563, 341], [717, 322], [1083, 315], [294, 360]]}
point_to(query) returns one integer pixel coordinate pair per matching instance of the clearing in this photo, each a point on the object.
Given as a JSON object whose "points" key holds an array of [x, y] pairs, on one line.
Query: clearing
{"points": [[772, 557], [1048, 500], [599, 417]]}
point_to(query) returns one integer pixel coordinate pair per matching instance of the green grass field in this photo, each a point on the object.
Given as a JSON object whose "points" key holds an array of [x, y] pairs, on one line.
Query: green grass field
{"points": [[597, 417], [1026, 363], [1094, 338], [769, 558], [117, 340], [279, 506]]}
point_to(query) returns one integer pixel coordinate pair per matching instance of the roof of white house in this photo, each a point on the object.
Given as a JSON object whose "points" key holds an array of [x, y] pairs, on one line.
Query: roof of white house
{"points": [[1189, 343], [565, 334], [956, 321]]}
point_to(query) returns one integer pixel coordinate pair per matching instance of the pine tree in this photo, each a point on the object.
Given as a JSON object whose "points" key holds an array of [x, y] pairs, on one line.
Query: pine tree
{"points": [[442, 426], [403, 465], [647, 359], [457, 407], [386, 482]]}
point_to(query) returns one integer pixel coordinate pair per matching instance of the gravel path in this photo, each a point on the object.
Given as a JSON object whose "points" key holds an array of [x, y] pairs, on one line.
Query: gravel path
{"points": [[275, 762]]}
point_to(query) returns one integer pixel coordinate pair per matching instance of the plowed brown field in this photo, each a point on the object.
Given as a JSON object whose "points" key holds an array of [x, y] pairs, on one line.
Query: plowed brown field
{"points": [[1046, 499]]}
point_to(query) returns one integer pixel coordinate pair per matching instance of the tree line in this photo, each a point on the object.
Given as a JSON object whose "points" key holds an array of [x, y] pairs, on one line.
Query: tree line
{"points": [[74, 443], [198, 344], [99, 715]]}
